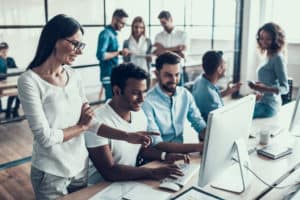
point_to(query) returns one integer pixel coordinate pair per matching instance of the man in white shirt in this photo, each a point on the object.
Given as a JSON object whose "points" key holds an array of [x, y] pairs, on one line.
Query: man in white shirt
{"points": [[115, 160], [170, 39]]}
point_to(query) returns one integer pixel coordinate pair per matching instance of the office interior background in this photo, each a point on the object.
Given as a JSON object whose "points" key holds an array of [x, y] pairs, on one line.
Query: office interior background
{"points": [[227, 25]]}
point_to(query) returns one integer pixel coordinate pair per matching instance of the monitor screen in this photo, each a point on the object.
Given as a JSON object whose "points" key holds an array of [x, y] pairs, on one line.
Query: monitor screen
{"points": [[295, 121], [225, 126]]}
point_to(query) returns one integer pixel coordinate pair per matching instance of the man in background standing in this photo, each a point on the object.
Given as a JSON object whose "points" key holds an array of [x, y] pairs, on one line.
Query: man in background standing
{"points": [[170, 39], [108, 49]]}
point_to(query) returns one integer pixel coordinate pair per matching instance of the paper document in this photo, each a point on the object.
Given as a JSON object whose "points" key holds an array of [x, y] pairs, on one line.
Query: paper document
{"points": [[130, 191]]}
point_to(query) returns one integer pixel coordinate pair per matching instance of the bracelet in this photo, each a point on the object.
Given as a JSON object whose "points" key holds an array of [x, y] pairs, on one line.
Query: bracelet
{"points": [[163, 155]]}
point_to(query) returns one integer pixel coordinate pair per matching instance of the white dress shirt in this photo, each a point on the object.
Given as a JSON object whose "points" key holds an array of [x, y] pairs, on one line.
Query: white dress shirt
{"points": [[49, 109], [175, 38]]}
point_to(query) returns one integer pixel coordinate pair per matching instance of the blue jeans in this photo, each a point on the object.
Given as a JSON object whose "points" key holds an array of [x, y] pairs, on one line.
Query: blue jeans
{"points": [[262, 110], [108, 91]]}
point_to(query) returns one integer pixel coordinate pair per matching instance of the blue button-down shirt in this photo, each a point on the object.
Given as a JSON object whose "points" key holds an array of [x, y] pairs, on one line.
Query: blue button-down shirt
{"points": [[3, 66], [207, 96], [273, 73], [167, 114], [107, 42]]}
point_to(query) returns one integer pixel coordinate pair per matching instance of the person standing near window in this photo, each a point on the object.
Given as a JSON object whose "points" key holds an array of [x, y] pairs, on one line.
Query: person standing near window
{"points": [[272, 74], [170, 39], [138, 45], [108, 49]]}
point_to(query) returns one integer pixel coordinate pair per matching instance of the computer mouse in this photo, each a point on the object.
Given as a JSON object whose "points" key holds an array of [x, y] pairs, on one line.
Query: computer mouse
{"points": [[169, 186]]}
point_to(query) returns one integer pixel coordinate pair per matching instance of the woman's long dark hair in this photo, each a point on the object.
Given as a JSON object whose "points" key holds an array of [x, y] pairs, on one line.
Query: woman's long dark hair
{"points": [[59, 27]]}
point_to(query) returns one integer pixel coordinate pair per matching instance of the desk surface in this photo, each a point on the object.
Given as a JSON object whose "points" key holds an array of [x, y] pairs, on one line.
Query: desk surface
{"points": [[269, 170], [10, 82]]}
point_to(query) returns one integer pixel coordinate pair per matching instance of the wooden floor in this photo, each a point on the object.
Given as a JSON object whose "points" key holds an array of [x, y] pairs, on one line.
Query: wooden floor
{"points": [[15, 143]]}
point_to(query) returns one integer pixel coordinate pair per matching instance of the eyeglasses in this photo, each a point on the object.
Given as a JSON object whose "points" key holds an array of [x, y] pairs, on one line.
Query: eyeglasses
{"points": [[77, 45]]}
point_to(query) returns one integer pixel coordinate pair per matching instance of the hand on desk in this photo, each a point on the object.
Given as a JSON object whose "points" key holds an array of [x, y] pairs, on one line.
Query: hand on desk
{"points": [[166, 171]]}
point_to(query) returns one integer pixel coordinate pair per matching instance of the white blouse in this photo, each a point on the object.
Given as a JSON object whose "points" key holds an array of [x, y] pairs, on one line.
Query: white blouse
{"points": [[49, 109], [139, 50]]}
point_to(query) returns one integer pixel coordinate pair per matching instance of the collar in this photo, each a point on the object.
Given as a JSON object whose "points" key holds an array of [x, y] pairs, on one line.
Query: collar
{"points": [[112, 29], [207, 82]]}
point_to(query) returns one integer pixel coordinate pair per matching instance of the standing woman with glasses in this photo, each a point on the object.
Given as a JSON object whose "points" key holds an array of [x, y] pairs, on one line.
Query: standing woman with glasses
{"points": [[56, 108], [272, 74], [138, 45]]}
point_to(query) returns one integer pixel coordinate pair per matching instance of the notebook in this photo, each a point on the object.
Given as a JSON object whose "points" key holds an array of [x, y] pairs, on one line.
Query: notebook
{"points": [[195, 193], [130, 190], [275, 151]]}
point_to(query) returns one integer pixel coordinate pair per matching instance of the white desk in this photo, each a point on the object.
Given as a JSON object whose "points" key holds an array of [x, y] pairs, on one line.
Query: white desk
{"points": [[270, 170]]}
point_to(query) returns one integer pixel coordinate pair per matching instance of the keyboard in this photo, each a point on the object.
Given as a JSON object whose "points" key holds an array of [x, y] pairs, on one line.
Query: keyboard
{"points": [[189, 170]]}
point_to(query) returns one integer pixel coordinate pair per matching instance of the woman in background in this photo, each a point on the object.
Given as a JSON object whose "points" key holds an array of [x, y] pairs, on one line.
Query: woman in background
{"points": [[55, 105], [139, 46], [272, 74]]}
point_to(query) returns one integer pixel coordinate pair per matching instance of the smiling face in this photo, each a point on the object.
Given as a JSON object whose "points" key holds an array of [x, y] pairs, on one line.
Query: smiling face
{"points": [[168, 77], [138, 29], [265, 40], [133, 94], [167, 24], [66, 49]]}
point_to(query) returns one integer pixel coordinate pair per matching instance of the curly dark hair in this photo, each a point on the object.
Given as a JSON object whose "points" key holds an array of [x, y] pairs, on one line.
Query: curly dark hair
{"points": [[277, 34]]}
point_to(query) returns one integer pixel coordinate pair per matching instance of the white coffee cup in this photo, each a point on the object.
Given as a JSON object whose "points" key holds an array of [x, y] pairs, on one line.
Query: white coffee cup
{"points": [[264, 137]]}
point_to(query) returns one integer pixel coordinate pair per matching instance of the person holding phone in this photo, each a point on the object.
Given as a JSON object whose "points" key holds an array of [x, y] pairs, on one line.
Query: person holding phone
{"points": [[272, 74]]}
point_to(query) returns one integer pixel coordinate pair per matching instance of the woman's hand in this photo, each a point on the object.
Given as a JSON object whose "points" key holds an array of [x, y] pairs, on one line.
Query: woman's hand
{"points": [[86, 116], [141, 137]]}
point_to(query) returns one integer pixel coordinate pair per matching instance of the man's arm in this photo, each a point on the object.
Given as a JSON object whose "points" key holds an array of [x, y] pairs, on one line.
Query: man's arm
{"points": [[179, 49], [103, 161], [153, 153], [103, 43], [179, 148]]}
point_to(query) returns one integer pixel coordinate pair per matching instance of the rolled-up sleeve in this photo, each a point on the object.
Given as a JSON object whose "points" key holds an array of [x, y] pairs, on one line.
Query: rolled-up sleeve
{"points": [[281, 73], [151, 123], [103, 42], [30, 98], [194, 115]]}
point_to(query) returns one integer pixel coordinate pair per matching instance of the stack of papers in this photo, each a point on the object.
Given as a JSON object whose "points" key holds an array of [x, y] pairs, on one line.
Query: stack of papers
{"points": [[130, 190]]}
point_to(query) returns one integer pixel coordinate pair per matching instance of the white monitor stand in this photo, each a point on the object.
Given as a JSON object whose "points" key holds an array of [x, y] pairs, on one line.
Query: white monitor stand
{"points": [[237, 177]]}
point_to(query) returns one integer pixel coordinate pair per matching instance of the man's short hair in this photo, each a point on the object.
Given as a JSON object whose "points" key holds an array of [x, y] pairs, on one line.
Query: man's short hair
{"points": [[120, 13], [125, 71], [3, 45], [211, 60], [164, 14], [167, 57]]}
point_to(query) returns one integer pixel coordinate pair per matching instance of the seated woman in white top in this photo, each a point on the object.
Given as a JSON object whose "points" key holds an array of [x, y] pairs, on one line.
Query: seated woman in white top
{"points": [[55, 105], [138, 45]]}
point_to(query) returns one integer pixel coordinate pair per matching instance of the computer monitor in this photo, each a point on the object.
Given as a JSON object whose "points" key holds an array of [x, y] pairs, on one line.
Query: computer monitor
{"points": [[295, 121], [225, 126]]}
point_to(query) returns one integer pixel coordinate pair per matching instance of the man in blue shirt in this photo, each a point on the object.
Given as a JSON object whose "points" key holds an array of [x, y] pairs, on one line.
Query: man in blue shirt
{"points": [[167, 106], [207, 95], [107, 50]]}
